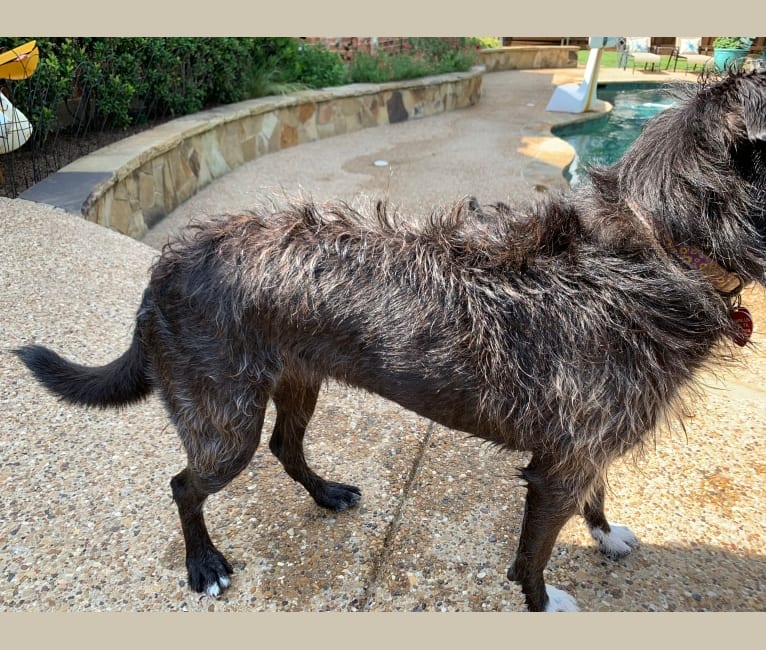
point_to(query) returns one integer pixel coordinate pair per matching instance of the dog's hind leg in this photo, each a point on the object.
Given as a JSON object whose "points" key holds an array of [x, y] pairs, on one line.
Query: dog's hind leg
{"points": [[295, 400], [614, 540], [551, 501], [207, 568]]}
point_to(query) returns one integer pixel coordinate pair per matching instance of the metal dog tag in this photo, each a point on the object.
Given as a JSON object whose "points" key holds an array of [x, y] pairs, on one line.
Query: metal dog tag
{"points": [[743, 322]]}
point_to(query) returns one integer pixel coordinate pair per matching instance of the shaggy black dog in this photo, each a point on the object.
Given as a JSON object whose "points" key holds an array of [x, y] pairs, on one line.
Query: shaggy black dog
{"points": [[567, 330]]}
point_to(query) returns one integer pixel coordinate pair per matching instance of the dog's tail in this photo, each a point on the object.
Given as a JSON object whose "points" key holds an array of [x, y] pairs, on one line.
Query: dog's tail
{"points": [[119, 383]]}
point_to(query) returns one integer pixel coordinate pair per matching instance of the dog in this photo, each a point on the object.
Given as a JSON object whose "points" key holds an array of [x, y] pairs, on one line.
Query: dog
{"points": [[569, 329]]}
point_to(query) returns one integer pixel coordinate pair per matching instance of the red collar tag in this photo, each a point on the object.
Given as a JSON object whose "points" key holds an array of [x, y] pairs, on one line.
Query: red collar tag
{"points": [[743, 325]]}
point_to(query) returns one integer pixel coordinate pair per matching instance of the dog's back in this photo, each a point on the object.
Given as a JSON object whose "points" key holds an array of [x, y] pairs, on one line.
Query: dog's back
{"points": [[446, 320]]}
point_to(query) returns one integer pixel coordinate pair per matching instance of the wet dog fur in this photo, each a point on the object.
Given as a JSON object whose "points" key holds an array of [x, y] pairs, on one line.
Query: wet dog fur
{"points": [[567, 330]]}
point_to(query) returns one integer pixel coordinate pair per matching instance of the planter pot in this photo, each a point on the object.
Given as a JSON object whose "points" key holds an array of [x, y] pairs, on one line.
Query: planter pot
{"points": [[725, 58]]}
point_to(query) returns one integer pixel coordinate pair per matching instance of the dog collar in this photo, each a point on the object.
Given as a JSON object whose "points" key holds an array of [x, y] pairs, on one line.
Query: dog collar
{"points": [[726, 283], [729, 285]]}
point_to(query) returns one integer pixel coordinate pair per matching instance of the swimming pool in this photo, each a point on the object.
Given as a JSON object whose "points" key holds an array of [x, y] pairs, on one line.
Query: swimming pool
{"points": [[604, 139]]}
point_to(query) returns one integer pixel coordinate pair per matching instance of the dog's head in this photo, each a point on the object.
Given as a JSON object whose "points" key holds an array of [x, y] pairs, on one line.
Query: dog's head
{"points": [[697, 171], [738, 104]]}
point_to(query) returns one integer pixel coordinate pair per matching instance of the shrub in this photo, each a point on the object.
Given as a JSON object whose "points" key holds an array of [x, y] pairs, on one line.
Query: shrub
{"points": [[382, 67], [444, 55], [116, 82], [92, 83], [733, 42], [483, 42], [105, 71], [424, 56], [310, 64]]}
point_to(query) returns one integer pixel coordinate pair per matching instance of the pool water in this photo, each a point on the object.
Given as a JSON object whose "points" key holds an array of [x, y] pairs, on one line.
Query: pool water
{"points": [[603, 140]]}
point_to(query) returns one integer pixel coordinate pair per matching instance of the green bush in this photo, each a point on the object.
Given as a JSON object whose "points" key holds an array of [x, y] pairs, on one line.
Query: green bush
{"points": [[733, 42], [382, 67], [311, 64], [442, 55], [128, 80], [92, 83], [106, 72], [485, 42], [422, 57]]}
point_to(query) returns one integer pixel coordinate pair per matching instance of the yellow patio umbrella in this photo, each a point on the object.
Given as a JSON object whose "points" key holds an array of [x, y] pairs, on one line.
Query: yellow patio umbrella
{"points": [[20, 62]]}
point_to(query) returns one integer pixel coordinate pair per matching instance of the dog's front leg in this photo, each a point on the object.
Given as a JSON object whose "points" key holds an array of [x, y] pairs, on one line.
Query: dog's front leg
{"points": [[549, 505]]}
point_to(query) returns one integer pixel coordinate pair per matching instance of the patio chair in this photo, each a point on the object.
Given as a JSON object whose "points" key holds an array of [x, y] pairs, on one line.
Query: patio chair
{"points": [[639, 49], [688, 49]]}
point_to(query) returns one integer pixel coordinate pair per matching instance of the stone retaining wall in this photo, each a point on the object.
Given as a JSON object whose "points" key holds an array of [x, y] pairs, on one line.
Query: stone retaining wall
{"points": [[520, 57], [132, 184]]}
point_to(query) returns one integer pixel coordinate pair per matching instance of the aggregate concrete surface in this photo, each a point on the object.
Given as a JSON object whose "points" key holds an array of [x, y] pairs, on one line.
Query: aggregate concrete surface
{"points": [[87, 521]]}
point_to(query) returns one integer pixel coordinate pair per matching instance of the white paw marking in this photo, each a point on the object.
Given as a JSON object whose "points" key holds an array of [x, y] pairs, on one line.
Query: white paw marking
{"points": [[559, 601], [215, 589], [617, 543]]}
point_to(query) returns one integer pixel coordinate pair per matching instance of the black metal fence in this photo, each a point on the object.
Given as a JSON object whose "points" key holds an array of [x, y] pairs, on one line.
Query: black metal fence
{"points": [[75, 131]]}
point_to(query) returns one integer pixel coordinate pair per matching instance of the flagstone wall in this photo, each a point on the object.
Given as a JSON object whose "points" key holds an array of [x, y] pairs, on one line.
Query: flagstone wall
{"points": [[132, 184], [521, 57]]}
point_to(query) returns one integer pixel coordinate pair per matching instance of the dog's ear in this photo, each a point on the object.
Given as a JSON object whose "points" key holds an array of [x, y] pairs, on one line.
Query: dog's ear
{"points": [[754, 108]]}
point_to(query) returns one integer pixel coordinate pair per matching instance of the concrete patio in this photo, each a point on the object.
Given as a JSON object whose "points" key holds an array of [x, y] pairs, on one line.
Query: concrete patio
{"points": [[87, 521]]}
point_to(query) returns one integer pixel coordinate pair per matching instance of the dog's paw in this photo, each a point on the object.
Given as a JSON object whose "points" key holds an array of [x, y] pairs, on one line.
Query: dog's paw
{"points": [[337, 496], [559, 601], [209, 573], [617, 543]]}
